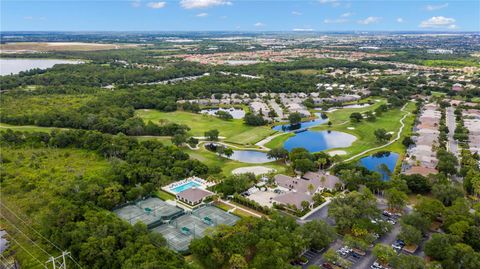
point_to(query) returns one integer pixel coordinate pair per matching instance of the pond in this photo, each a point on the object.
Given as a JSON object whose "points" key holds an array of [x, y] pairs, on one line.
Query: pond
{"points": [[315, 141], [250, 156], [236, 113], [15, 66], [357, 105], [307, 124], [376, 161]]}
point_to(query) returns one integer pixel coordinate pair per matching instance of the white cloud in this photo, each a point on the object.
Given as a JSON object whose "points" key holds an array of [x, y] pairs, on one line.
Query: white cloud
{"points": [[156, 5], [189, 4], [399, 20], [259, 24], [329, 21], [334, 3], [203, 14], [28, 18], [296, 13], [327, 1], [439, 22], [136, 3], [369, 20], [435, 7], [346, 15], [303, 29]]}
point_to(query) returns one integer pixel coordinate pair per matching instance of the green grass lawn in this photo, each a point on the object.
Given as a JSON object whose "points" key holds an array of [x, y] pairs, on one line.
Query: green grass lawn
{"points": [[234, 130], [27, 128], [164, 195]]}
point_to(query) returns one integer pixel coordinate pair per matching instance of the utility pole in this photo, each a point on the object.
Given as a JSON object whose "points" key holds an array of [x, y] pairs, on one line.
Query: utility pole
{"points": [[59, 262]]}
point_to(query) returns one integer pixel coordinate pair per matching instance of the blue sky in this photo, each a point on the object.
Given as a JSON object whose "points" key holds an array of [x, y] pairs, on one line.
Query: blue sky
{"points": [[239, 15]]}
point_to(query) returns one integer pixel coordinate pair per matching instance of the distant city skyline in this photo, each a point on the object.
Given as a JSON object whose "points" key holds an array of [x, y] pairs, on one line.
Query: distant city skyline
{"points": [[246, 15]]}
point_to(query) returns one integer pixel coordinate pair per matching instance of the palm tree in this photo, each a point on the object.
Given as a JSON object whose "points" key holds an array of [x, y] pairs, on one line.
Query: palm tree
{"points": [[310, 188], [322, 162]]}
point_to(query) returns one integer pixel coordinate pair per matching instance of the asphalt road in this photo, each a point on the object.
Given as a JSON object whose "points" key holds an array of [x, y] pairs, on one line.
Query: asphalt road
{"points": [[450, 120]]}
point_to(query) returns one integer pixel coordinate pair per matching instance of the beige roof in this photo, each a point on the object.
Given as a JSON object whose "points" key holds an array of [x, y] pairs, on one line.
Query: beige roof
{"points": [[293, 198], [424, 171], [325, 180], [194, 194]]}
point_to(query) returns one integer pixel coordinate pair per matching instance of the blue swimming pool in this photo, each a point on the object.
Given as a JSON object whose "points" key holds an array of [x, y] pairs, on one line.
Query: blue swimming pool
{"points": [[185, 186]]}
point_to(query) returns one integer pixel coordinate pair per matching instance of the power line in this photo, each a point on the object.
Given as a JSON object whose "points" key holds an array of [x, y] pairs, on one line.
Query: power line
{"points": [[29, 253], [13, 225], [29, 226], [38, 233]]}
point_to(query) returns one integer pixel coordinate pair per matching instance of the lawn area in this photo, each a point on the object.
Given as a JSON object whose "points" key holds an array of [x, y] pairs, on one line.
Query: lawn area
{"points": [[228, 165], [234, 130], [364, 130], [341, 115], [166, 140], [164, 195], [28, 128]]}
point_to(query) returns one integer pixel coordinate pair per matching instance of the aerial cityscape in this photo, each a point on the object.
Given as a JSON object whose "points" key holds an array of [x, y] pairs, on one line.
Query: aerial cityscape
{"points": [[216, 134]]}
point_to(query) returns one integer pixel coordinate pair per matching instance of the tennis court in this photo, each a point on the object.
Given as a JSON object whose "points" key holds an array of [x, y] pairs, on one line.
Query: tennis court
{"points": [[151, 211], [180, 231]]}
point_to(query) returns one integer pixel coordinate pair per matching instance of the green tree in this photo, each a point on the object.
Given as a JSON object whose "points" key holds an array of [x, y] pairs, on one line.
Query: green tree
{"points": [[320, 234], [277, 153], [383, 253], [237, 261], [430, 208], [179, 139], [439, 246], [382, 135], [410, 235], [407, 262], [396, 199], [295, 118], [212, 135], [356, 117]]}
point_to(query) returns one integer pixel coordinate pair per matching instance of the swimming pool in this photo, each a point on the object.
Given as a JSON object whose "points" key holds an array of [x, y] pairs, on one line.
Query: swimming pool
{"points": [[186, 186]]}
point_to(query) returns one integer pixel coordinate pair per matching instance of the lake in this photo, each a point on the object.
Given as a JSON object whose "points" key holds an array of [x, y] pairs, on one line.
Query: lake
{"points": [[357, 106], [250, 156], [374, 161], [235, 112], [306, 124], [315, 141], [15, 66]]}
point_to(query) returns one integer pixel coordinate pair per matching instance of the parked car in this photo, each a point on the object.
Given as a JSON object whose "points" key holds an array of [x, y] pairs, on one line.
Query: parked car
{"points": [[387, 214], [327, 265]]}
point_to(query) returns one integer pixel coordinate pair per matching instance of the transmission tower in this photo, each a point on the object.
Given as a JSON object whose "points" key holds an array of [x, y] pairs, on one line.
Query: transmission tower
{"points": [[59, 262]]}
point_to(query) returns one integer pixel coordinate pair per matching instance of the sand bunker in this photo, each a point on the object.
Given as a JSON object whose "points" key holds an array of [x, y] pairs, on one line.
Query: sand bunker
{"points": [[256, 170], [337, 152]]}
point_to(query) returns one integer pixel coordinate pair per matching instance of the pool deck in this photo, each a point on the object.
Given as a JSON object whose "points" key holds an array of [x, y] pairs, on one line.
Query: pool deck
{"points": [[202, 184]]}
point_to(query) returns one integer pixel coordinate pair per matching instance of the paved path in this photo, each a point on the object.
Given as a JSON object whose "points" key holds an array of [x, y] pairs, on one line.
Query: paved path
{"points": [[264, 141], [399, 134], [235, 207]]}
